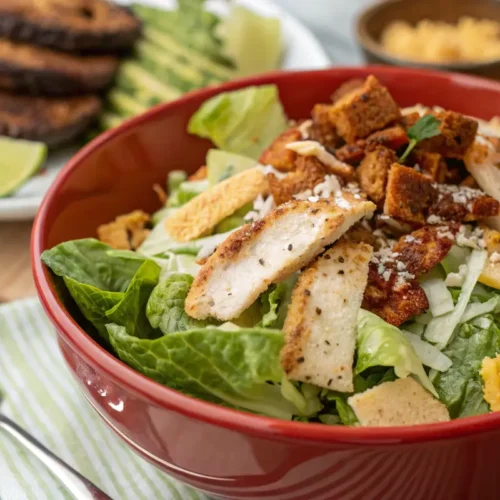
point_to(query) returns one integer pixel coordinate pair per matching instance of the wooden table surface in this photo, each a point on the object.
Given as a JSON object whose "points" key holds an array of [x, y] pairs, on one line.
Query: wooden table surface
{"points": [[16, 281]]}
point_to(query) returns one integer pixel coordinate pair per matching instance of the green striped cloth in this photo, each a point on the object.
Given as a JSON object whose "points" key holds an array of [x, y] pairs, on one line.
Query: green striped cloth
{"points": [[42, 397]]}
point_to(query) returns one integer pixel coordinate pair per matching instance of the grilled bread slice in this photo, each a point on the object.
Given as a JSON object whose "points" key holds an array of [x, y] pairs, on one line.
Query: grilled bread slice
{"points": [[39, 71], [76, 26], [267, 251], [53, 121]]}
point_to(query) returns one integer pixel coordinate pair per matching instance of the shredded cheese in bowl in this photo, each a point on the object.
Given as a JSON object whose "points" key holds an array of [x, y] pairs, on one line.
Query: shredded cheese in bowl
{"points": [[435, 41]]}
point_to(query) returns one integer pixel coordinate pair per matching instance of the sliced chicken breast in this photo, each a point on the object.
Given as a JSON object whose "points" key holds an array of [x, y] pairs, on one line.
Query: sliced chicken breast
{"points": [[402, 402], [267, 251], [320, 326], [204, 212]]}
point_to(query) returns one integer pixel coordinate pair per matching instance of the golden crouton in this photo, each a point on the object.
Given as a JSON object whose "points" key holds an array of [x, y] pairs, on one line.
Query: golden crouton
{"points": [[309, 172], [424, 248], [206, 210], [277, 155], [457, 135], [126, 232], [469, 181], [400, 402], [346, 88], [199, 175], [412, 197], [392, 300], [352, 153], [373, 172], [364, 111], [432, 165], [322, 128], [391, 137]]}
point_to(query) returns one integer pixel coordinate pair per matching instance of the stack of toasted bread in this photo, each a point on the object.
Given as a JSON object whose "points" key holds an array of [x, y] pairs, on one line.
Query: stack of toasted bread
{"points": [[56, 58]]}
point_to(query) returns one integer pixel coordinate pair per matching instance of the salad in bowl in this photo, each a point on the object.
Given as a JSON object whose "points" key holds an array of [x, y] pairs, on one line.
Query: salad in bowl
{"points": [[342, 269]]}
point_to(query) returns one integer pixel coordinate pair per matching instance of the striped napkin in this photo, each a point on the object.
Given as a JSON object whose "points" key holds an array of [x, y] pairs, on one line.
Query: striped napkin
{"points": [[42, 397]]}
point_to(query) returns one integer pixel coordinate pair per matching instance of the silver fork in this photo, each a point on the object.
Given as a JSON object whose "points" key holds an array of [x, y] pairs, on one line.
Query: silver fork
{"points": [[80, 487]]}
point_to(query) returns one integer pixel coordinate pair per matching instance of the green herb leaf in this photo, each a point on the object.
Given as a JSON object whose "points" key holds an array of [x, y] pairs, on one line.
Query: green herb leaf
{"points": [[425, 128]]}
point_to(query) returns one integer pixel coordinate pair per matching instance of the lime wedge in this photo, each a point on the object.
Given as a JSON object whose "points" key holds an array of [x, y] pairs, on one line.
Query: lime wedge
{"points": [[19, 160]]}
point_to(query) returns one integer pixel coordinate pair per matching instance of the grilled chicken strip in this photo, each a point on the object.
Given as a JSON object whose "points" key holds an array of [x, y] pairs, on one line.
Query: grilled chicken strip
{"points": [[268, 251], [320, 326], [69, 25]]}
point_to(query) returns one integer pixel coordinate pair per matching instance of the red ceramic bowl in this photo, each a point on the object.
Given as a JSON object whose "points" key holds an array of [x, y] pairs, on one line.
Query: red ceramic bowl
{"points": [[224, 452]]}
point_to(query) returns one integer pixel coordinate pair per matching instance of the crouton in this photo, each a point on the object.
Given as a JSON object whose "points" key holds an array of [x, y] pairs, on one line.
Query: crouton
{"points": [[393, 299], [408, 194], [408, 120], [363, 111], [392, 137], [309, 172], [331, 163], [352, 153], [457, 135], [373, 172], [206, 210], [360, 234], [432, 165], [346, 88], [126, 232], [267, 251], [278, 155], [401, 402], [320, 327], [199, 175], [322, 129], [424, 248], [412, 197], [470, 182]]}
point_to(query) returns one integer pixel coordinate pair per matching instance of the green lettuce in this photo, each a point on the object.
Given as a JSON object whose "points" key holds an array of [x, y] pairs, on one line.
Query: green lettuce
{"points": [[90, 262], [382, 344], [275, 303], [93, 303], [165, 307], [243, 121], [221, 165], [460, 387], [130, 312], [236, 368], [186, 192], [177, 263]]}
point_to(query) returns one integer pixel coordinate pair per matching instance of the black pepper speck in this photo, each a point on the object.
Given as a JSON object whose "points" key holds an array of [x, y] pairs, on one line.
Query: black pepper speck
{"points": [[290, 247], [261, 262], [301, 359], [318, 311]]}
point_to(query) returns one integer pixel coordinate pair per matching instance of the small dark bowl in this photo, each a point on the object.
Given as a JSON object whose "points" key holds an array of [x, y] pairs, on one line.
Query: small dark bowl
{"points": [[377, 16]]}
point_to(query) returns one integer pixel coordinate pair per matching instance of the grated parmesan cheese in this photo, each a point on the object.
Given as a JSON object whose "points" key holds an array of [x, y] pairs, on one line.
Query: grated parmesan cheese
{"points": [[456, 279], [471, 238], [261, 208], [304, 129], [494, 257], [434, 219]]}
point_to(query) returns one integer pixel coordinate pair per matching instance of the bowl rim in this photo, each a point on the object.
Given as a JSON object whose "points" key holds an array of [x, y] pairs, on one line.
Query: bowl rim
{"points": [[369, 43], [138, 384]]}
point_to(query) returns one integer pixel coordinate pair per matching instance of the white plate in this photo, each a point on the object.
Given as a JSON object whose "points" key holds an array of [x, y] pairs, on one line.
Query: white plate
{"points": [[303, 51]]}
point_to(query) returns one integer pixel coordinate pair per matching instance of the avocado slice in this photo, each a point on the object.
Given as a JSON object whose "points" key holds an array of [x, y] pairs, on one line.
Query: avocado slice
{"points": [[192, 57], [151, 91], [150, 52], [124, 104], [108, 120]]}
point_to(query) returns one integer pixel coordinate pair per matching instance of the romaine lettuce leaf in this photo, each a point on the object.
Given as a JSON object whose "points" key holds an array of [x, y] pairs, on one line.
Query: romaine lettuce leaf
{"points": [[460, 387], [382, 344], [177, 263], [165, 307], [236, 368], [90, 262], [186, 192], [275, 303], [130, 312], [93, 303], [221, 165], [243, 121]]}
